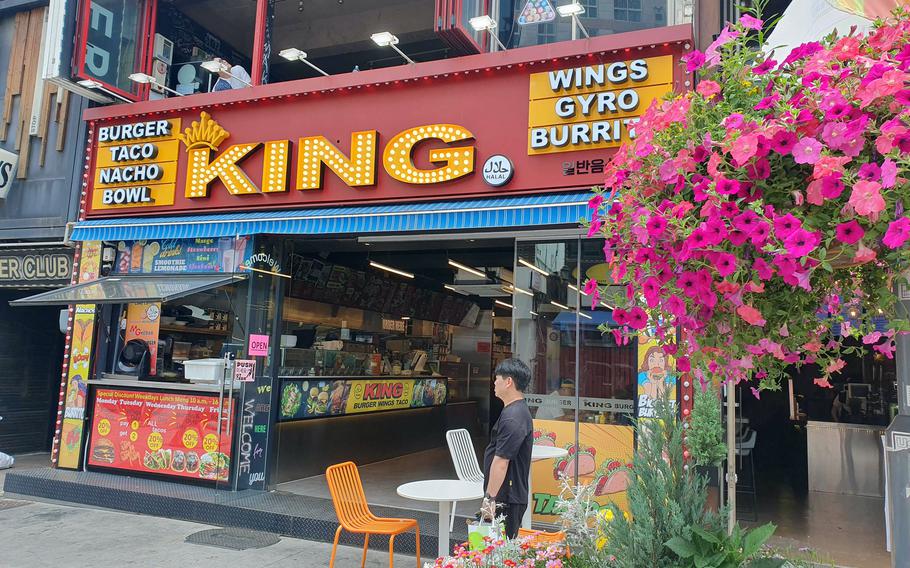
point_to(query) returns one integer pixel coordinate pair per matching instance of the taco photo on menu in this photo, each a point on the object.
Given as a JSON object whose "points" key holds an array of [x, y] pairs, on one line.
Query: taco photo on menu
{"points": [[192, 462], [178, 463]]}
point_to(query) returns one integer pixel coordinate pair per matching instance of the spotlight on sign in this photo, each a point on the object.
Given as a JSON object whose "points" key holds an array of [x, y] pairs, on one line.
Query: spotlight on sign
{"points": [[573, 10], [98, 86], [294, 54], [486, 24], [145, 79], [387, 39]]}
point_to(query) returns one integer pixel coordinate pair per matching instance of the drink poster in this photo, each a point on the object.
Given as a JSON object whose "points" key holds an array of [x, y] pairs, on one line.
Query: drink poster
{"points": [[170, 256], [601, 457], [69, 441], [163, 433], [142, 322]]}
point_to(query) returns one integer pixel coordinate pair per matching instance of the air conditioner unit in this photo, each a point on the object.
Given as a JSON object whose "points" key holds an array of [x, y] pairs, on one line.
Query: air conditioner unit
{"points": [[164, 49], [159, 72]]}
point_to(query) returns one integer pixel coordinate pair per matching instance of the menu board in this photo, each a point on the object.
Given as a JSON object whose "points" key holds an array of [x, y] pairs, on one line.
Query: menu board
{"points": [[319, 398], [224, 254], [162, 433], [314, 279]]}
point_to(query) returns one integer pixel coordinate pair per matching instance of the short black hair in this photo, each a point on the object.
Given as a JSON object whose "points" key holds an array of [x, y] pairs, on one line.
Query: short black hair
{"points": [[517, 370]]}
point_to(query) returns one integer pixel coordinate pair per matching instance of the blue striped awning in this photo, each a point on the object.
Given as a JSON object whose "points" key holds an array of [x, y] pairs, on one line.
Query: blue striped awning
{"points": [[506, 212]]}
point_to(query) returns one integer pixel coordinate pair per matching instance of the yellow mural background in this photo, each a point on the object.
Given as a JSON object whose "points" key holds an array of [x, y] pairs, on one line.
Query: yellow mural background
{"points": [[610, 442]]}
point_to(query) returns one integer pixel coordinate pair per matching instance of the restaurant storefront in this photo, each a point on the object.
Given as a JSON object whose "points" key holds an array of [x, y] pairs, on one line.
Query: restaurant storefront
{"points": [[280, 278]]}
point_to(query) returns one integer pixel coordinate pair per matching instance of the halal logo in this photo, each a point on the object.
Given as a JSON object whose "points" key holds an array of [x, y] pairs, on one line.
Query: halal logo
{"points": [[497, 170]]}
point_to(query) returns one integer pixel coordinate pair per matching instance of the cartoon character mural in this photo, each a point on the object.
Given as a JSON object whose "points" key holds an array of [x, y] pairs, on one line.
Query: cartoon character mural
{"points": [[656, 378]]}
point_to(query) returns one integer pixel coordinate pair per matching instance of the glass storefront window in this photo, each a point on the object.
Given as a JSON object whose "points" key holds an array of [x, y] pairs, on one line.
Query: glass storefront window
{"points": [[583, 383], [111, 46], [601, 17]]}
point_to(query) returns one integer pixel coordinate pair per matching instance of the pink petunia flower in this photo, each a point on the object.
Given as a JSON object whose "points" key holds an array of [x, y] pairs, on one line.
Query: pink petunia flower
{"points": [[750, 22], [746, 221], [656, 225], [849, 233], [784, 225], [807, 150], [637, 318], [897, 234], [889, 173], [708, 89], [744, 147], [864, 254], [801, 242], [694, 61], [866, 198], [750, 315], [764, 271], [783, 142]]}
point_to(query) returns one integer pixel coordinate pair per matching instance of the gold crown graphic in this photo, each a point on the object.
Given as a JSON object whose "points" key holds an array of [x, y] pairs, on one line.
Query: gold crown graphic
{"points": [[205, 133]]}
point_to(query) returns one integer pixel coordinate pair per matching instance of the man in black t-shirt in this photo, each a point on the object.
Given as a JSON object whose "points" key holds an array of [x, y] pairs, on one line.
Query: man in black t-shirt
{"points": [[507, 459]]}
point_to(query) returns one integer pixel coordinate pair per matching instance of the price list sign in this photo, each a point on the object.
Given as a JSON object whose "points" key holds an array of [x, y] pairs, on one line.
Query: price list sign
{"points": [[162, 433]]}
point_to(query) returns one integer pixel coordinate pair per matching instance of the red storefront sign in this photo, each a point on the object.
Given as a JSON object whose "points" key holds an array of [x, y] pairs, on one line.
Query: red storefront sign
{"points": [[162, 433], [438, 130]]}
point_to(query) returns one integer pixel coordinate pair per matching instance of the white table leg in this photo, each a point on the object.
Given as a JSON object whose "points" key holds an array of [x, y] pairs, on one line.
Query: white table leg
{"points": [[526, 518], [444, 508]]}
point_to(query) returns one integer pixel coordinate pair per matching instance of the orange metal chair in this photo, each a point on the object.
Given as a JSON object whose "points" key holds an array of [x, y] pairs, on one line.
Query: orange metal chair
{"points": [[354, 513]]}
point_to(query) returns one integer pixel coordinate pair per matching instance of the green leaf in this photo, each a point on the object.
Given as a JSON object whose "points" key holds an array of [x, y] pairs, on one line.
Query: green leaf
{"points": [[756, 537], [713, 539], [682, 547], [827, 266]]}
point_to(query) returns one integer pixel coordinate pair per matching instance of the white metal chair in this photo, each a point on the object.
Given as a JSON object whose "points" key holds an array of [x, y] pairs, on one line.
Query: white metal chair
{"points": [[465, 460]]}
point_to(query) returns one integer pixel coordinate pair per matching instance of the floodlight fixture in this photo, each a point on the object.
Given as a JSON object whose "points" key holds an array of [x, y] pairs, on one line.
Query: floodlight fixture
{"points": [[294, 54], [486, 24], [388, 39], [221, 66], [146, 79], [98, 86], [573, 10]]}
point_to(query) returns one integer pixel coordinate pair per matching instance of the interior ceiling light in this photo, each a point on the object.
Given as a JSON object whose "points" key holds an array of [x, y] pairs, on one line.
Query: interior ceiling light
{"points": [[574, 289], [608, 306], [533, 313], [584, 315], [504, 304], [532, 267], [454, 289], [405, 317], [460, 266], [387, 39], [521, 291], [375, 264], [294, 54], [558, 305]]}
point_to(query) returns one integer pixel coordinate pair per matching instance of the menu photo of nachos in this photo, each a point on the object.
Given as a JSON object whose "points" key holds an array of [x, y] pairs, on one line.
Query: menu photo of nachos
{"points": [[214, 466]]}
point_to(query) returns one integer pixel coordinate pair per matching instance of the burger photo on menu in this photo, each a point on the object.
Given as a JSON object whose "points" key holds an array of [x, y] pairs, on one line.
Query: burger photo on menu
{"points": [[104, 451]]}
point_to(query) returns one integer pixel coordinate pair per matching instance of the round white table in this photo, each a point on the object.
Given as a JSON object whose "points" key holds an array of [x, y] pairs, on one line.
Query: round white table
{"points": [[539, 453], [444, 491]]}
